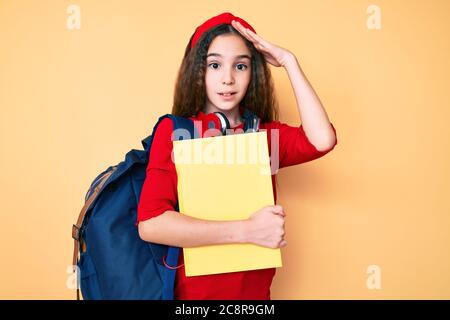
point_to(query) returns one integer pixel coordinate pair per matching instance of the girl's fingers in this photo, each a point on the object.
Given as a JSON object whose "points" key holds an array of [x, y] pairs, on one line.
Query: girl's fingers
{"points": [[243, 30], [250, 35], [239, 27], [252, 38], [257, 38], [261, 48], [282, 213], [277, 209], [259, 43]]}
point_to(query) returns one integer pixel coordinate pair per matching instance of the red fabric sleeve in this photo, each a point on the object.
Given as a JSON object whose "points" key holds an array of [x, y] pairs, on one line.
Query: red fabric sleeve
{"points": [[159, 191], [294, 146]]}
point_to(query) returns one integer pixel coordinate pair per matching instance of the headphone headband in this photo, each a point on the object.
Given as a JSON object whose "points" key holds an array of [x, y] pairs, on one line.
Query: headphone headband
{"points": [[251, 121]]}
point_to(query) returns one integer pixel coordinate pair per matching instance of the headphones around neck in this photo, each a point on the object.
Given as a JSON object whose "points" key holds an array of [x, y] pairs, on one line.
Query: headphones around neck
{"points": [[251, 121]]}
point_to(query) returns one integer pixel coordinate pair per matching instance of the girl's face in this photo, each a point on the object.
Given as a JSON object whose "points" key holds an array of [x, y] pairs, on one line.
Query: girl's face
{"points": [[228, 69]]}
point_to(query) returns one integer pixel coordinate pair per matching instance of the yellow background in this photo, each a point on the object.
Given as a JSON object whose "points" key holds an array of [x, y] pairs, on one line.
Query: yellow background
{"points": [[73, 102]]}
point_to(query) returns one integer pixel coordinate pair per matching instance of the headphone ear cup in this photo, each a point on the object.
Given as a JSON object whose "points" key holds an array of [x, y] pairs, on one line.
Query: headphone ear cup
{"points": [[252, 121], [258, 123], [224, 123]]}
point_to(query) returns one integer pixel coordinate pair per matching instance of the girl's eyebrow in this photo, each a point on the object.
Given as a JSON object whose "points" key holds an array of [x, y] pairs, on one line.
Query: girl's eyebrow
{"points": [[239, 56]]}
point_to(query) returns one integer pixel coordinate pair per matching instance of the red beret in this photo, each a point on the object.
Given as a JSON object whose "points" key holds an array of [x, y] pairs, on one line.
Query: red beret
{"points": [[225, 17]]}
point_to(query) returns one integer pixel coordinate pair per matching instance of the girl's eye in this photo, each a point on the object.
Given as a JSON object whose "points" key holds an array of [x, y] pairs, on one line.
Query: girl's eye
{"points": [[243, 66], [214, 63]]}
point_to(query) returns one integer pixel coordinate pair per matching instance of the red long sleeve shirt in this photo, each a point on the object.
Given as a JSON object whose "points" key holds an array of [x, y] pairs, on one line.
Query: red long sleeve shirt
{"points": [[159, 194]]}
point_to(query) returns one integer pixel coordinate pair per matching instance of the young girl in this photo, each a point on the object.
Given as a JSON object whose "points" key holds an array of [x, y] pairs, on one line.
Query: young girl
{"points": [[225, 69]]}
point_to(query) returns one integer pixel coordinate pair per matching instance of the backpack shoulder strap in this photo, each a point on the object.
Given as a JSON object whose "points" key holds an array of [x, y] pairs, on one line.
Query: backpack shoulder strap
{"points": [[178, 123], [76, 227]]}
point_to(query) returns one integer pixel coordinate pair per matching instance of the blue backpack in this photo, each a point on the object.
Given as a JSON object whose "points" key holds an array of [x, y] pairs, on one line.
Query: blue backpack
{"points": [[113, 262]]}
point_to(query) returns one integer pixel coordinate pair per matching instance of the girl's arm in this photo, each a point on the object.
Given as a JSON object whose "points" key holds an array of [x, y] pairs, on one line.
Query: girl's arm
{"points": [[175, 229], [313, 116], [265, 228], [314, 119]]}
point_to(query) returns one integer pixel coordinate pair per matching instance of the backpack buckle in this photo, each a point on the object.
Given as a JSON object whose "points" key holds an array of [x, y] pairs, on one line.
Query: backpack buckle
{"points": [[75, 232]]}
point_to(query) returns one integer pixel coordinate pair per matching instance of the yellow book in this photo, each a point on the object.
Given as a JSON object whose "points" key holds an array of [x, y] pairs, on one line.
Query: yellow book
{"points": [[225, 178]]}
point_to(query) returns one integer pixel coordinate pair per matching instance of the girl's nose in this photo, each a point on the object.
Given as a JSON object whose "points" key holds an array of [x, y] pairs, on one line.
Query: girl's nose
{"points": [[227, 78]]}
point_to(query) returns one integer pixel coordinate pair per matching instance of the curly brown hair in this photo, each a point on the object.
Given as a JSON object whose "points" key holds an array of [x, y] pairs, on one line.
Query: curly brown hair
{"points": [[190, 88]]}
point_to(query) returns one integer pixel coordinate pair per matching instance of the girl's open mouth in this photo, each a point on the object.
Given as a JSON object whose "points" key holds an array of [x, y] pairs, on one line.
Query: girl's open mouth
{"points": [[227, 96]]}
